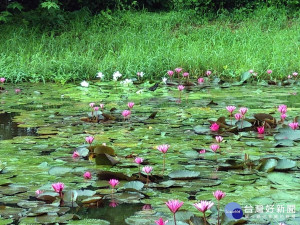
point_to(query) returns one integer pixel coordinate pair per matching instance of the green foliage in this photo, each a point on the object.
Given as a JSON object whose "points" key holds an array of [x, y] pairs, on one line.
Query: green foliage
{"points": [[5, 16], [15, 5], [50, 5], [63, 47]]}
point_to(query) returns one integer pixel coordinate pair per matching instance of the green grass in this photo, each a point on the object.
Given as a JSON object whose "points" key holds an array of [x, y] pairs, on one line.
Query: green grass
{"points": [[267, 38]]}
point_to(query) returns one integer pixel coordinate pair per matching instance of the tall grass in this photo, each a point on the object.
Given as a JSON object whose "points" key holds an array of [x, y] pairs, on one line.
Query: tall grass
{"points": [[229, 44]]}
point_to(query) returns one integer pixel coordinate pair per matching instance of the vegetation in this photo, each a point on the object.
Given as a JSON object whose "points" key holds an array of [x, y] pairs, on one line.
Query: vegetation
{"points": [[53, 45]]}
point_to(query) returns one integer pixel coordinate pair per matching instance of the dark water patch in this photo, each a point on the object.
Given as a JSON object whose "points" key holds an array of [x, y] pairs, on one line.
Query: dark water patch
{"points": [[110, 210], [10, 129]]}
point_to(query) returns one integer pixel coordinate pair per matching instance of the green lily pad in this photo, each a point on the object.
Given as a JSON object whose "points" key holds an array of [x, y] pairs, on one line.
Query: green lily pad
{"points": [[133, 186], [285, 164], [201, 130], [284, 143], [288, 133], [268, 165], [184, 175]]}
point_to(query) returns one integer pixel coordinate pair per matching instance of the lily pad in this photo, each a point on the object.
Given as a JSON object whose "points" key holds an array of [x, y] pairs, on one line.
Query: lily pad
{"points": [[133, 186], [285, 164], [184, 175]]}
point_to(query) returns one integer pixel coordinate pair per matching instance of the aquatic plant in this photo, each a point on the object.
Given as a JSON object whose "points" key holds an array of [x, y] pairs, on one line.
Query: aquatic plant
{"points": [[219, 195], [84, 84], [75, 155], [208, 73], [139, 160], [161, 221], [214, 127], [214, 147], [230, 109], [294, 125], [219, 139], [147, 170], [261, 130], [203, 206], [200, 80], [174, 206], [87, 175], [126, 114], [59, 187], [130, 105], [170, 73], [163, 149], [113, 183], [89, 139]]}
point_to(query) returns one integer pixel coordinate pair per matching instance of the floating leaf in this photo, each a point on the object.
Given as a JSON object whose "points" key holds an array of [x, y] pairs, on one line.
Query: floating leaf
{"points": [[285, 164], [133, 186], [184, 174]]}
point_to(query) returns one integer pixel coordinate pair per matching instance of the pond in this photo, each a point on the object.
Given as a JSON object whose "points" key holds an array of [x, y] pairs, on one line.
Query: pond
{"points": [[42, 126]]}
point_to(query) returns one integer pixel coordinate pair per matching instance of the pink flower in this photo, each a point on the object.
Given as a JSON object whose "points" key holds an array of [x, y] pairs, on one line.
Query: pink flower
{"points": [[185, 74], [269, 71], [89, 139], [219, 139], [261, 130], [146, 207], [251, 71], [87, 175], [214, 147], [92, 104], [58, 187], [147, 169], [203, 206], [289, 76], [200, 80], [243, 110], [113, 203], [170, 73], [2, 79], [38, 192], [75, 155], [208, 72], [163, 148], [180, 87], [113, 182], [219, 194], [254, 74], [230, 108], [202, 151], [101, 106], [17, 90], [214, 127], [283, 116], [130, 105], [174, 205], [178, 70], [294, 125], [138, 160], [126, 113], [96, 108], [295, 74], [161, 222], [282, 109], [238, 116]]}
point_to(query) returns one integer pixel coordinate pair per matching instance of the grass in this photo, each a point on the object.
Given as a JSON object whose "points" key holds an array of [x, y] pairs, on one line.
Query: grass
{"points": [[267, 38]]}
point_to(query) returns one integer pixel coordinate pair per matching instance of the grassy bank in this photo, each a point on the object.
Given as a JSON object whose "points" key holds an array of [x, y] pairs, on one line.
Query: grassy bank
{"points": [[267, 38]]}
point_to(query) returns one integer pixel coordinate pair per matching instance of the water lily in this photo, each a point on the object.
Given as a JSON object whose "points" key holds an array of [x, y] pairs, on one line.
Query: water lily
{"points": [[113, 182], [100, 75], [38, 192], [219, 139], [126, 114], [294, 125], [89, 139], [202, 151], [208, 73], [163, 149], [130, 105], [203, 206], [251, 71], [261, 130], [147, 170], [164, 80], [58, 187], [282, 117], [243, 110], [200, 80], [2, 79], [282, 109], [84, 84], [87, 175], [116, 75], [126, 82], [174, 206], [75, 155], [238, 116], [161, 222], [170, 73], [139, 160], [214, 147], [269, 71], [214, 127], [230, 109], [219, 195], [295, 74], [17, 90]]}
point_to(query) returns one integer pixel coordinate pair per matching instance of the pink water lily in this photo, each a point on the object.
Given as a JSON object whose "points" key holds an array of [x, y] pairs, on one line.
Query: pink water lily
{"points": [[126, 114], [38, 192], [289, 76], [180, 87], [251, 71], [282, 117], [96, 108], [130, 105], [238, 116], [101, 106], [261, 130], [294, 125], [113, 182], [282, 109], [87, 175], [174, 206], [161, 222], [92, 104], [295, 74], [185, 74], [170, 73], [203, 206], [163, 149], [202, 151], [219, 139], [219, 195], [2, 79], [178, 70], [230, 108], [214, 147], [17, 90], [138, 160], [214, 127], [89, 139], [243, 110], [75, 155], [147, 170], [269, 71], [208, 72], [200, 80], [58, 187]]}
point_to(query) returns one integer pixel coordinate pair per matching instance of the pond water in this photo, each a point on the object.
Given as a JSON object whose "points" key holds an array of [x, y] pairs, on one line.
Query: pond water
{"points": [[44, 124]]}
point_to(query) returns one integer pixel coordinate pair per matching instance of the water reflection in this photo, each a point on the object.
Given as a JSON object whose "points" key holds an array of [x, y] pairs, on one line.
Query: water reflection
{"points": [[10, 129]]}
